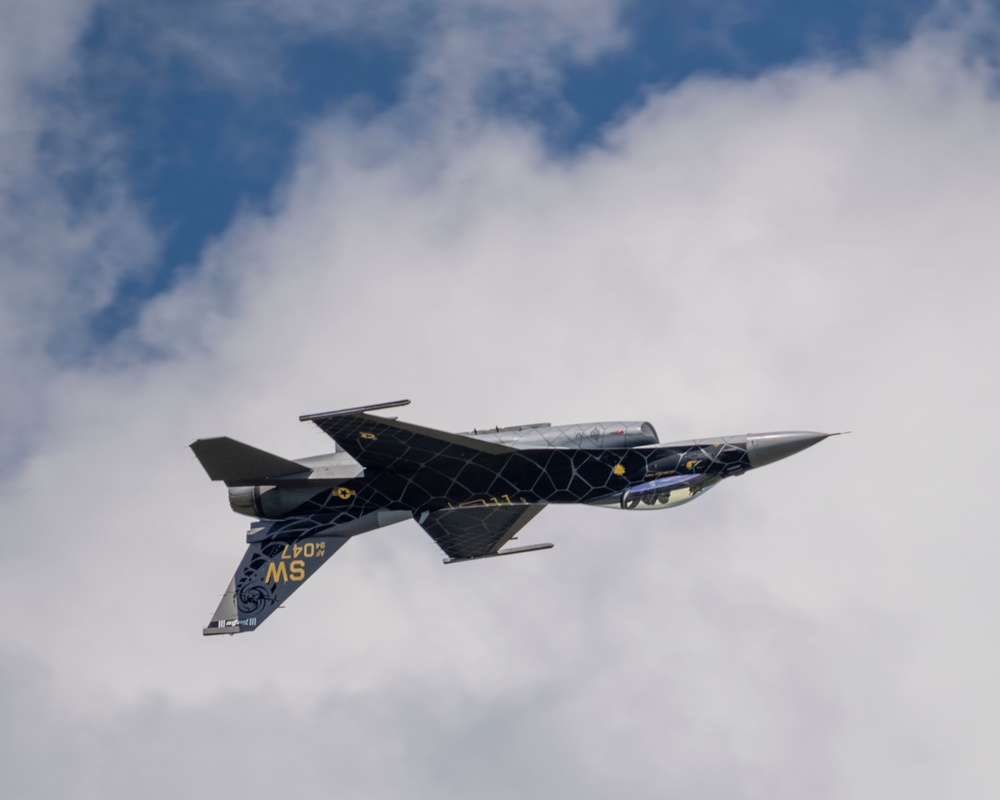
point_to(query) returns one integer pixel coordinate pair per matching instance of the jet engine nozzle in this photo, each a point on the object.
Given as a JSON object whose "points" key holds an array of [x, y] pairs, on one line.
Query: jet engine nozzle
{"points": [[268, 502], [243, 500], [766, 448]]}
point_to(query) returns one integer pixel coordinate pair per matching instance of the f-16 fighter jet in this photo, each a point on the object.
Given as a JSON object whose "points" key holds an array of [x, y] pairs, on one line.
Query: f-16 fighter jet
{"points": [[472, 492]]}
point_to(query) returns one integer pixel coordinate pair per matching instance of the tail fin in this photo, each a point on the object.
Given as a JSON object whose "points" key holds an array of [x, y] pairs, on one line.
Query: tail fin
{"points": [[268, 574], [282, 555], [239, 464]]}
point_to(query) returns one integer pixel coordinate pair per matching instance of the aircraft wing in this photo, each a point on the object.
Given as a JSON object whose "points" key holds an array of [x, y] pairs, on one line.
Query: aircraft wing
{"points": [[290, 553], [472, 532], [395, 445]]}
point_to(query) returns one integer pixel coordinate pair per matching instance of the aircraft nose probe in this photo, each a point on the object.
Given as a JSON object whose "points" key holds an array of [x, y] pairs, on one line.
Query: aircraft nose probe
{"points": [[766, 448]]}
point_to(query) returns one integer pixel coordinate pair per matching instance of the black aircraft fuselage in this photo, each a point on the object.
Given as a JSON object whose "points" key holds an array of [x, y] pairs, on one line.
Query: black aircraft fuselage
{"points": [[598, 477], [471, 492]]}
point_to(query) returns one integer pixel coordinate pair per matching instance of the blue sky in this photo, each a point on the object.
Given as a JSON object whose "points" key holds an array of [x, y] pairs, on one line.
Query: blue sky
{"points": [[196, 143]]}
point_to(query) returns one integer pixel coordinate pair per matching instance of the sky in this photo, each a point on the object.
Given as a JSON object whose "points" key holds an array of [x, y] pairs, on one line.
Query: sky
{"points": [[721, 217]]}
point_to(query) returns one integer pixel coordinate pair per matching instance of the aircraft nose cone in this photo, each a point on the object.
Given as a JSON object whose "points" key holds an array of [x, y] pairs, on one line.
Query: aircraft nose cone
{"points": [[766, 448]]}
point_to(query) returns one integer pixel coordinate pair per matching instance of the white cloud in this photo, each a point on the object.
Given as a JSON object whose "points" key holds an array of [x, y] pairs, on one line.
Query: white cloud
{"points": [[60, 257], [813, 249]]}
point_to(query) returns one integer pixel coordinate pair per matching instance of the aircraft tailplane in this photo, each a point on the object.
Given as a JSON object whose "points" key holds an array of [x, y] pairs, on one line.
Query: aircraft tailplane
{"points": [[239, 464]]}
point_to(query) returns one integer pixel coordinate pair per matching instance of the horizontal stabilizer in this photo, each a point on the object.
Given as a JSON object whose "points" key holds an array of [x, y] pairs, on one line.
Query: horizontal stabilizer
{"points": [[239, 464]]}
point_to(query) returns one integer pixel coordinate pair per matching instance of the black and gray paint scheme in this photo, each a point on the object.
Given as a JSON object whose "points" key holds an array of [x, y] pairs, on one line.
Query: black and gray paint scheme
{"points": [[471, 492]]}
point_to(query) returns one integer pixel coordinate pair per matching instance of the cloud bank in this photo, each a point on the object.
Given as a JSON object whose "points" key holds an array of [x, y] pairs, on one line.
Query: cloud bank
{"points": [[810, 249]]}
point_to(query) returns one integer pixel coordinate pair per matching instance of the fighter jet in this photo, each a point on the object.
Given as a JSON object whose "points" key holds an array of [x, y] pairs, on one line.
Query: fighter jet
{"points": [[471, 492]]}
